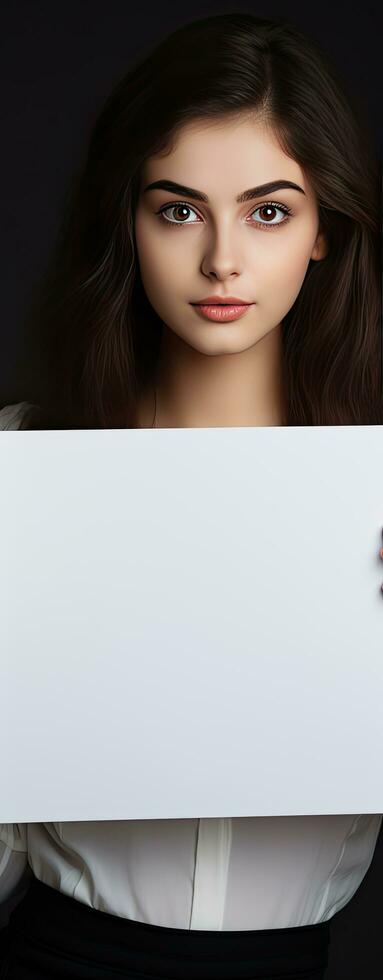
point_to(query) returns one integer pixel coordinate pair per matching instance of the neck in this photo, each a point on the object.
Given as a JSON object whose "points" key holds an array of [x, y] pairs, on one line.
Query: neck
{"points": [[194, 390]]}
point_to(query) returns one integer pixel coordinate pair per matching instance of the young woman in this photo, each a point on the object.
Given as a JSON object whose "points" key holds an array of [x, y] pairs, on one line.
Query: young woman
{"points": [[226, 169]]}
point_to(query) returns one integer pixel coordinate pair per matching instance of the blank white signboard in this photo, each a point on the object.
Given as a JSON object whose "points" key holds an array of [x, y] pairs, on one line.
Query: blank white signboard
{"points": [[191, 622]]}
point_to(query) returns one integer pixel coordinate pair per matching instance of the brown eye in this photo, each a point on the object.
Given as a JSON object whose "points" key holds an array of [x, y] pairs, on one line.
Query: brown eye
{"points": [[181, 212], [268, 212]]}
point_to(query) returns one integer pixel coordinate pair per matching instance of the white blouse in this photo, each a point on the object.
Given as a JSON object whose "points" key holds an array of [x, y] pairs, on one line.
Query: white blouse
{"points": [[208, 873]]}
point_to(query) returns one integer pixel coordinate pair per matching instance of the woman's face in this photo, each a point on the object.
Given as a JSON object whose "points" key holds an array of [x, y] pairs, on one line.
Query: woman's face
{"points": [[253, 250]]}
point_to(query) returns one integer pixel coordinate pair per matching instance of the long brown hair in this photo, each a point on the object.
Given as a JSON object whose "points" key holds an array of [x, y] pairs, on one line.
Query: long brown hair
{"points": [[93, 337]]}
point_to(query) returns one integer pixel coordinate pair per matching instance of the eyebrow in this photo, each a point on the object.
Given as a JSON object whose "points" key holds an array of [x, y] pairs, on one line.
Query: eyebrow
{"points": [[260, 191]]}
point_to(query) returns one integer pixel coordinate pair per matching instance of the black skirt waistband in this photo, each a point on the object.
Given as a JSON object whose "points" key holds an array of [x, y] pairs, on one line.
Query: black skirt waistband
{"points": [[53, 935]]}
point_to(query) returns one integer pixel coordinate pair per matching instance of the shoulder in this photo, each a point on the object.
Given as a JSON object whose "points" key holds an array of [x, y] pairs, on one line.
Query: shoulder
{"points": [[11, 415], [14, 835]]}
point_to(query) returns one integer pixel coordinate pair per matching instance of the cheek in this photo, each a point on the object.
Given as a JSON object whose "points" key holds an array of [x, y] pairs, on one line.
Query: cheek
{"points": [[283, 266], [148, 253], [152, 247], [157, 273], [161, 262]]}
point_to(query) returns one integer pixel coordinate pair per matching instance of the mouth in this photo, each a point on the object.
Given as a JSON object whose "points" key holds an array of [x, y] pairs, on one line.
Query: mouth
{"points": [[215, 300], [221, 312]]}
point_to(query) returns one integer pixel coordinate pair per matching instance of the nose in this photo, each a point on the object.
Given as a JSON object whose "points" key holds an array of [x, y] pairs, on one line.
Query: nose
{"points": [[221, 259]]}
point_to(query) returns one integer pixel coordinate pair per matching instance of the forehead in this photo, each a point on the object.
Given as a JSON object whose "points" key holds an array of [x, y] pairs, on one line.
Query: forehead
{"points": [[226, 155]]}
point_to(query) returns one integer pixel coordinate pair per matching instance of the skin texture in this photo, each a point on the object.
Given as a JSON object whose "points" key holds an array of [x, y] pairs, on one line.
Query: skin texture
{"points": [[222, 374]]}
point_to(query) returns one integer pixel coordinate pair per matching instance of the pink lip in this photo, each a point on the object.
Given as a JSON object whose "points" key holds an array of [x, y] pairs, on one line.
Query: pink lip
{"points": [[221, 313], [222, 301]]}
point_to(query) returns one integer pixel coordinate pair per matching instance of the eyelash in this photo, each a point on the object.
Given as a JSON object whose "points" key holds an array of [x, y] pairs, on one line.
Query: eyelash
{"points": [[264, 226]]}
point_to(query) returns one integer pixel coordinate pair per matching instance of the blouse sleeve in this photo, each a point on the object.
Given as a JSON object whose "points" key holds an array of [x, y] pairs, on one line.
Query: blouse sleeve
{"points": [[15, 871], [11, 416]]}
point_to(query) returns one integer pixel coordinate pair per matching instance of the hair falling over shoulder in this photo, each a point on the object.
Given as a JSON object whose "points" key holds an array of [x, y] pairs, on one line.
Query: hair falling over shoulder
{"points": [[92, 337]]}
